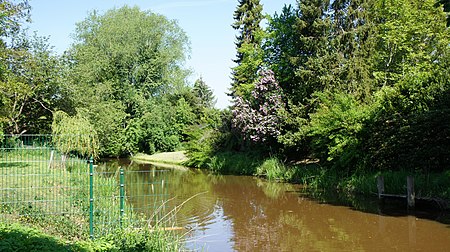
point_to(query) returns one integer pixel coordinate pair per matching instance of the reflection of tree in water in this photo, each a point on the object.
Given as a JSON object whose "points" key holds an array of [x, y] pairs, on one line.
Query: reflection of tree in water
{"points": [[161, 193], [263, 217], [251, 212], [266, 218]]}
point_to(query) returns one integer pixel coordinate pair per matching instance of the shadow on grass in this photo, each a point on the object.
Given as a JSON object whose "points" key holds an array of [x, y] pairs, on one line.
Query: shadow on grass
{"points": [[18, 238], [13, 164]]}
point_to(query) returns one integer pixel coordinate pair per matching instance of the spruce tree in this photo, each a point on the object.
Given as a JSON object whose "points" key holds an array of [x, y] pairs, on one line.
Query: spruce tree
{"points": [[313, 29], [204, 94], [248, 17], [297, 47], [446, 5], [353, 46]]}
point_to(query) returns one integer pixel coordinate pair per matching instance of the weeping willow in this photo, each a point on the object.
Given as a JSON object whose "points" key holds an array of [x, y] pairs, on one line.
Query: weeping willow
{"points": [[74, 135]]}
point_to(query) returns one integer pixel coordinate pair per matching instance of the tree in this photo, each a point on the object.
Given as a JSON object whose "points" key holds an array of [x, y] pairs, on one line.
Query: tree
{"points": [[134, 54], [120, 62], [412, 38], [204, 94], [446, 5], [297, 48], [248, 17], [282, 46], [11, 15], [31, 89], [74, 135]]}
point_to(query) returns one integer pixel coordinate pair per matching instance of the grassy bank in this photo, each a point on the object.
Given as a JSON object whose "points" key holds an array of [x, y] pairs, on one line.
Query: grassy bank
{"points": [[175, 158], [16, 237], [50, 200], [318, 178]]}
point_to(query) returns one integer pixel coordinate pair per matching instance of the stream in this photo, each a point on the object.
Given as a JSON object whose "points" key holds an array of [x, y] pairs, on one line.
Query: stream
{"points": [[241, 213]]}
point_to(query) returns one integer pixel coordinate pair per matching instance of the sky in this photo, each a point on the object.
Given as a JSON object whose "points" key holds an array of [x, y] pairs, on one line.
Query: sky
{"points": [[207, 23]]}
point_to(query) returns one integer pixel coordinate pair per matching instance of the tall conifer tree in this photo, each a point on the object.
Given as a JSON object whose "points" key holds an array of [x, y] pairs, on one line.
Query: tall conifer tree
{"points": [[353, 44], [248, 17], [204, 94], [296, 48]]}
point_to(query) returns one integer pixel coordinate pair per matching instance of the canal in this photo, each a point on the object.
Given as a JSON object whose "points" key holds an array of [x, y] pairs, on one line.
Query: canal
{"points": [[239, 213]]}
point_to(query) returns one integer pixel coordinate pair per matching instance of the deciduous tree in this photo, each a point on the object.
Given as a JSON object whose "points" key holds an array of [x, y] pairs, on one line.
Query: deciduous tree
{"points": [[120, 62]]}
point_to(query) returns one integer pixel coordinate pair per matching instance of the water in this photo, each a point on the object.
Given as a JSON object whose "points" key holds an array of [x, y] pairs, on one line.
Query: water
{"points": [[235, 213]]}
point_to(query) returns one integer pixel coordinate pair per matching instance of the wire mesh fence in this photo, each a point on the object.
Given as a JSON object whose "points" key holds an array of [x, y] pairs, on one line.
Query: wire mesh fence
{"points": [[67, 194]]}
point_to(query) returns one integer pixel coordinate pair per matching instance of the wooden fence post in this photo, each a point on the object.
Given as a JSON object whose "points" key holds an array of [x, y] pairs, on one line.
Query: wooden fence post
{"points": [[380, 186], [410, 195]]}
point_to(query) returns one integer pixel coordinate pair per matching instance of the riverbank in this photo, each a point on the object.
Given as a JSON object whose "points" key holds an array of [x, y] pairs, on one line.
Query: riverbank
{"points": [[311, 174], [48, 208], [17, 237], [172, 158], [318, 178]]}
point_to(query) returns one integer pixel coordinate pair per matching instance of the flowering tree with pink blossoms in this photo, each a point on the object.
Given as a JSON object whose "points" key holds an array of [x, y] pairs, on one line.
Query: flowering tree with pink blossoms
{"points": [[259, 119]]}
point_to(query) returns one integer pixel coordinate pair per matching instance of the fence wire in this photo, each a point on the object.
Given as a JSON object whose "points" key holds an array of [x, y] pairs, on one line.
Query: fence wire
{"points": [[42, 186]]}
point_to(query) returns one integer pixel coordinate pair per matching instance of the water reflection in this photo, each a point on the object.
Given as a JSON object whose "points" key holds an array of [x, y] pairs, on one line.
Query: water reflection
{"points": [[233, 213]]}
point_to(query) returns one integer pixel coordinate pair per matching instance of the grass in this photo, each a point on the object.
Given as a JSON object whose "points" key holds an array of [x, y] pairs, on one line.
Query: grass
{"points": [[317, 178], [431, 185], [274, 169], [15, 237], [47, 195], [235, 163], [176, 158]]}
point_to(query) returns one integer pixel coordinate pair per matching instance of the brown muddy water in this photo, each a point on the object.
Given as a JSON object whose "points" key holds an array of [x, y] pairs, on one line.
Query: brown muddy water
{"points": [[238, 213]]}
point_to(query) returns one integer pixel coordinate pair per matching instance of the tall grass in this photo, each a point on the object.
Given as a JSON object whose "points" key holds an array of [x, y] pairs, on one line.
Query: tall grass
{"points": [[235, 163], [431, 185], [274, 169]]}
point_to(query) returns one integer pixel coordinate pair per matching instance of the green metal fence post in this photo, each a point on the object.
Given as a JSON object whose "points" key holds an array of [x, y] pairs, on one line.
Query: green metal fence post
{"points": [[91, 198], [122, 194]]}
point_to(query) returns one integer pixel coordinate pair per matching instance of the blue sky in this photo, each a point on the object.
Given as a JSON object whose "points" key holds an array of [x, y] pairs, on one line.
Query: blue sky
{"points": [[206, 22]]}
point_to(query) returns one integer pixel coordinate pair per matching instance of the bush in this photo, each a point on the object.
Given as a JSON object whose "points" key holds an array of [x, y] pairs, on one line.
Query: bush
{"points": [[335, 128]]}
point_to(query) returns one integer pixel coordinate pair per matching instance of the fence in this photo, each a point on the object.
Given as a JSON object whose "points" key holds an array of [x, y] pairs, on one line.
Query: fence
{"points": [[67, 194]]}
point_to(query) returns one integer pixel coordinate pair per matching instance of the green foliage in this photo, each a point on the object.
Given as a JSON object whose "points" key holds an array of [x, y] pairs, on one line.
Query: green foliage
{"points": [[142, 240], [204, 94], [138, 54], [204, 139], [12, 14], [30, 89], [427, 185], [200, 146], [247, 16], [107, 119], [74, 135], [246, 72], [274, 169], [235, 162], [296, 48], [125, 62], [336, 125], [416, 142], [165, 124], [39, 210], [14, 237], [411, 39]]}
